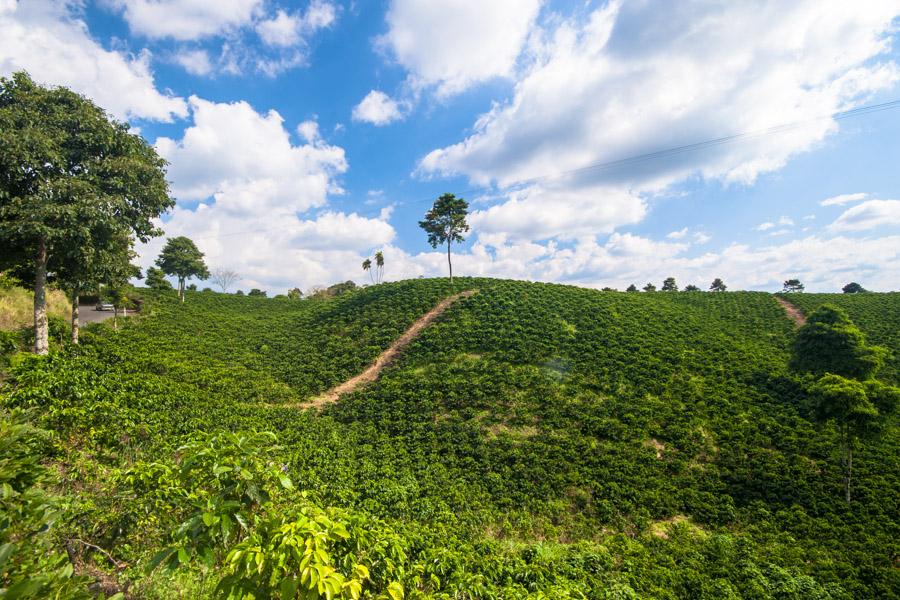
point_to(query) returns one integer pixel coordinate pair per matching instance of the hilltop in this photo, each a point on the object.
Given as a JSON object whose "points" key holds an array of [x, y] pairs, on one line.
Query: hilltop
{"points": [[535, 440]]}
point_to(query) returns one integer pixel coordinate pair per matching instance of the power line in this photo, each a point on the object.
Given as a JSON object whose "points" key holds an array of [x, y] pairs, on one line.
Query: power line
{"points": [[640, 158]]}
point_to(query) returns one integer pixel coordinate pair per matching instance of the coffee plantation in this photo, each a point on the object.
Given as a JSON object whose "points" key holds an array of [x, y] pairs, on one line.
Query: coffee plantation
{"points": [[537, 441]]}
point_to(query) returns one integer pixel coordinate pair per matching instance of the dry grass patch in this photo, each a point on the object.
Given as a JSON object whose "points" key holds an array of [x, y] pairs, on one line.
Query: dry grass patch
{"points": [[17, 307]]}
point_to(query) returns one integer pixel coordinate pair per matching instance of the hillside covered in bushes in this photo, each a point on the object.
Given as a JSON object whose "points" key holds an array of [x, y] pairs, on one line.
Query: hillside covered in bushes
{"points": [[537, 441]]}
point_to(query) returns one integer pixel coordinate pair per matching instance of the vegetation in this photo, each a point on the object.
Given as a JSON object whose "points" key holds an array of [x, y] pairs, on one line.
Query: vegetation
{"points": [[181, 257], [538, 441], [75, 186], [717, 285], [853, 288], [17, 306], [445, 223], [225, 278], [793, 285]]}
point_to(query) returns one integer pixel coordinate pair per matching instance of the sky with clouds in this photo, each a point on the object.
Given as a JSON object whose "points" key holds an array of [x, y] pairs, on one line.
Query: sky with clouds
{"points": [[304, 136]]}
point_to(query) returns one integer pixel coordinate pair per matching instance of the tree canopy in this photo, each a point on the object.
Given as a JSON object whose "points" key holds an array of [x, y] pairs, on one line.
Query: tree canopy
{"points": [[793, 285], [853, 288], [73, 181], [717, 285], [669, 285], [445, 223], [830, 343], [181, 258]]}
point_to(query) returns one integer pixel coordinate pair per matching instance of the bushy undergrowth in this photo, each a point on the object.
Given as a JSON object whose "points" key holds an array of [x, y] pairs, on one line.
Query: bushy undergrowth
{"points": [[537, 441]]}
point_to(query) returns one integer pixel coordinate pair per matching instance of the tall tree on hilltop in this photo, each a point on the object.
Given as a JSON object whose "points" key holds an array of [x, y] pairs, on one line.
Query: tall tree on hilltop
{"points": [[669, 285], [717, 285], [70, 179], [181, 258], [793, 285], [367, 267], [853, 288], [446, 223]]}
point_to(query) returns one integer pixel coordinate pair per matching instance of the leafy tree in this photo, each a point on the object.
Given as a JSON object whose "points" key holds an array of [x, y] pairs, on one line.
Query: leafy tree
{"points": [[181, 258], [649, 287], [257, 293], [224, 278], [853, 288], [829, 342], [295, 294], [631, 288], [367, 267], [859, 410], [192, 287], [691, 288], [609, 289], [70, 179], [669, 285], [717, 285], [156, 279], [793, 285], [239, 293], [445, 223]]}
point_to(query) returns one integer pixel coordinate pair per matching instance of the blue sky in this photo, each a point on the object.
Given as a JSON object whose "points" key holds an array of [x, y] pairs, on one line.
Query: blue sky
{"points": [[304, 136]]}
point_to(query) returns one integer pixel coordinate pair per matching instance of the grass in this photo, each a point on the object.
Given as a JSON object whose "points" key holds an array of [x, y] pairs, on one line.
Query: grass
{"points": [[17, 307]]}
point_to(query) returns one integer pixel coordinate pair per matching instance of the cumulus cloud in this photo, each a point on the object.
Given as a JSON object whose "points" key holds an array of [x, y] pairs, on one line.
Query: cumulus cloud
{"points": [[377, 108], [286, 29], [541, 212], [454, 45], [186, 19], [195, 62], [253, 197], [45, 38], [868, 215], [635, 78], [843, 199]]}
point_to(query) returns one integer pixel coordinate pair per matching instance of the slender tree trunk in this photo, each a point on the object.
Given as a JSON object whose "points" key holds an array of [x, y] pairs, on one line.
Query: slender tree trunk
{"points": [[41, 333], [450, 264], [75, 322], [115, 317], [181, 288]]}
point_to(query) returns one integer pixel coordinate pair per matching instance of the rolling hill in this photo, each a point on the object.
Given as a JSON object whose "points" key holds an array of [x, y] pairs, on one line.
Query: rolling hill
{"points": [[535, 441]]}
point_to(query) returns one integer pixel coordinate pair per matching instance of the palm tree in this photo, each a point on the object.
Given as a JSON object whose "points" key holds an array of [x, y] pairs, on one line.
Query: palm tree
{"points": [[367, 266], [379, 264]]}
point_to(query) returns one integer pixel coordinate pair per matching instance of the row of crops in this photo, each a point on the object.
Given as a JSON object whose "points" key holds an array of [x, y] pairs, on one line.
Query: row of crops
{"points": [[538, 440]]}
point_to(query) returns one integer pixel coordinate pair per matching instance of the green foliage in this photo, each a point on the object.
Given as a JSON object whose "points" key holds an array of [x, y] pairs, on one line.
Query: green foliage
{"points": [[793, 285], [669, 285], [156, 280], [181, 257], [445, 223], [537, 441], [31, 565], [717, 285], [853, 288], [830, 343]]}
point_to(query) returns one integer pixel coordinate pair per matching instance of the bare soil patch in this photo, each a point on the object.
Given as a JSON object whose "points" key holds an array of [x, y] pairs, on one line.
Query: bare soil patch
{"points": [[795, 314]]}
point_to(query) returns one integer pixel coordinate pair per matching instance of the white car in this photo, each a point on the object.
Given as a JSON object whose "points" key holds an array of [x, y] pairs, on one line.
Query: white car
{"points": [[104, 306]]}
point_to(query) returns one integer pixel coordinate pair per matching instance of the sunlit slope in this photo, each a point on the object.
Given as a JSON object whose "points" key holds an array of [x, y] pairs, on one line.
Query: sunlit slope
{"points": [[528, 413]]}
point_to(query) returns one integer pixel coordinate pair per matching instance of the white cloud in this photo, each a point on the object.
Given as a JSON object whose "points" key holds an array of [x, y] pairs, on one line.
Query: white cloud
{"points": [[868, 215], [55, 47], [822, 263], [542, 212], [377, 108], [843, 199], [285, 29], [639, 77], [677, 235], [701, 238], [186, 19], [254, 187], [785, 221], [453, 45], [195, 62], [765, 226]]}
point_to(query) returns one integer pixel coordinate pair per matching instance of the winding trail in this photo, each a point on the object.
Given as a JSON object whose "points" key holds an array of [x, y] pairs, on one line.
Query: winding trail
{"points": [[795, 314], [387, 357]]}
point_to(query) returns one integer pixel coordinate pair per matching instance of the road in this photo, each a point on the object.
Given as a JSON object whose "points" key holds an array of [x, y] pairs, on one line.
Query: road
{"points": [[88, 314]]}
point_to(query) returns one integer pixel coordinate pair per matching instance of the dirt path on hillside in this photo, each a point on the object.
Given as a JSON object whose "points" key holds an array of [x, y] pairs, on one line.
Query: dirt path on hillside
{"points": [[794, 314], [388, 356]]}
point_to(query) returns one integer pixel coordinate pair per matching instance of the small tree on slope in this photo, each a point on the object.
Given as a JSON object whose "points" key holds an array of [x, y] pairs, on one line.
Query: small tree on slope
{"points": [[183, 259]]}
